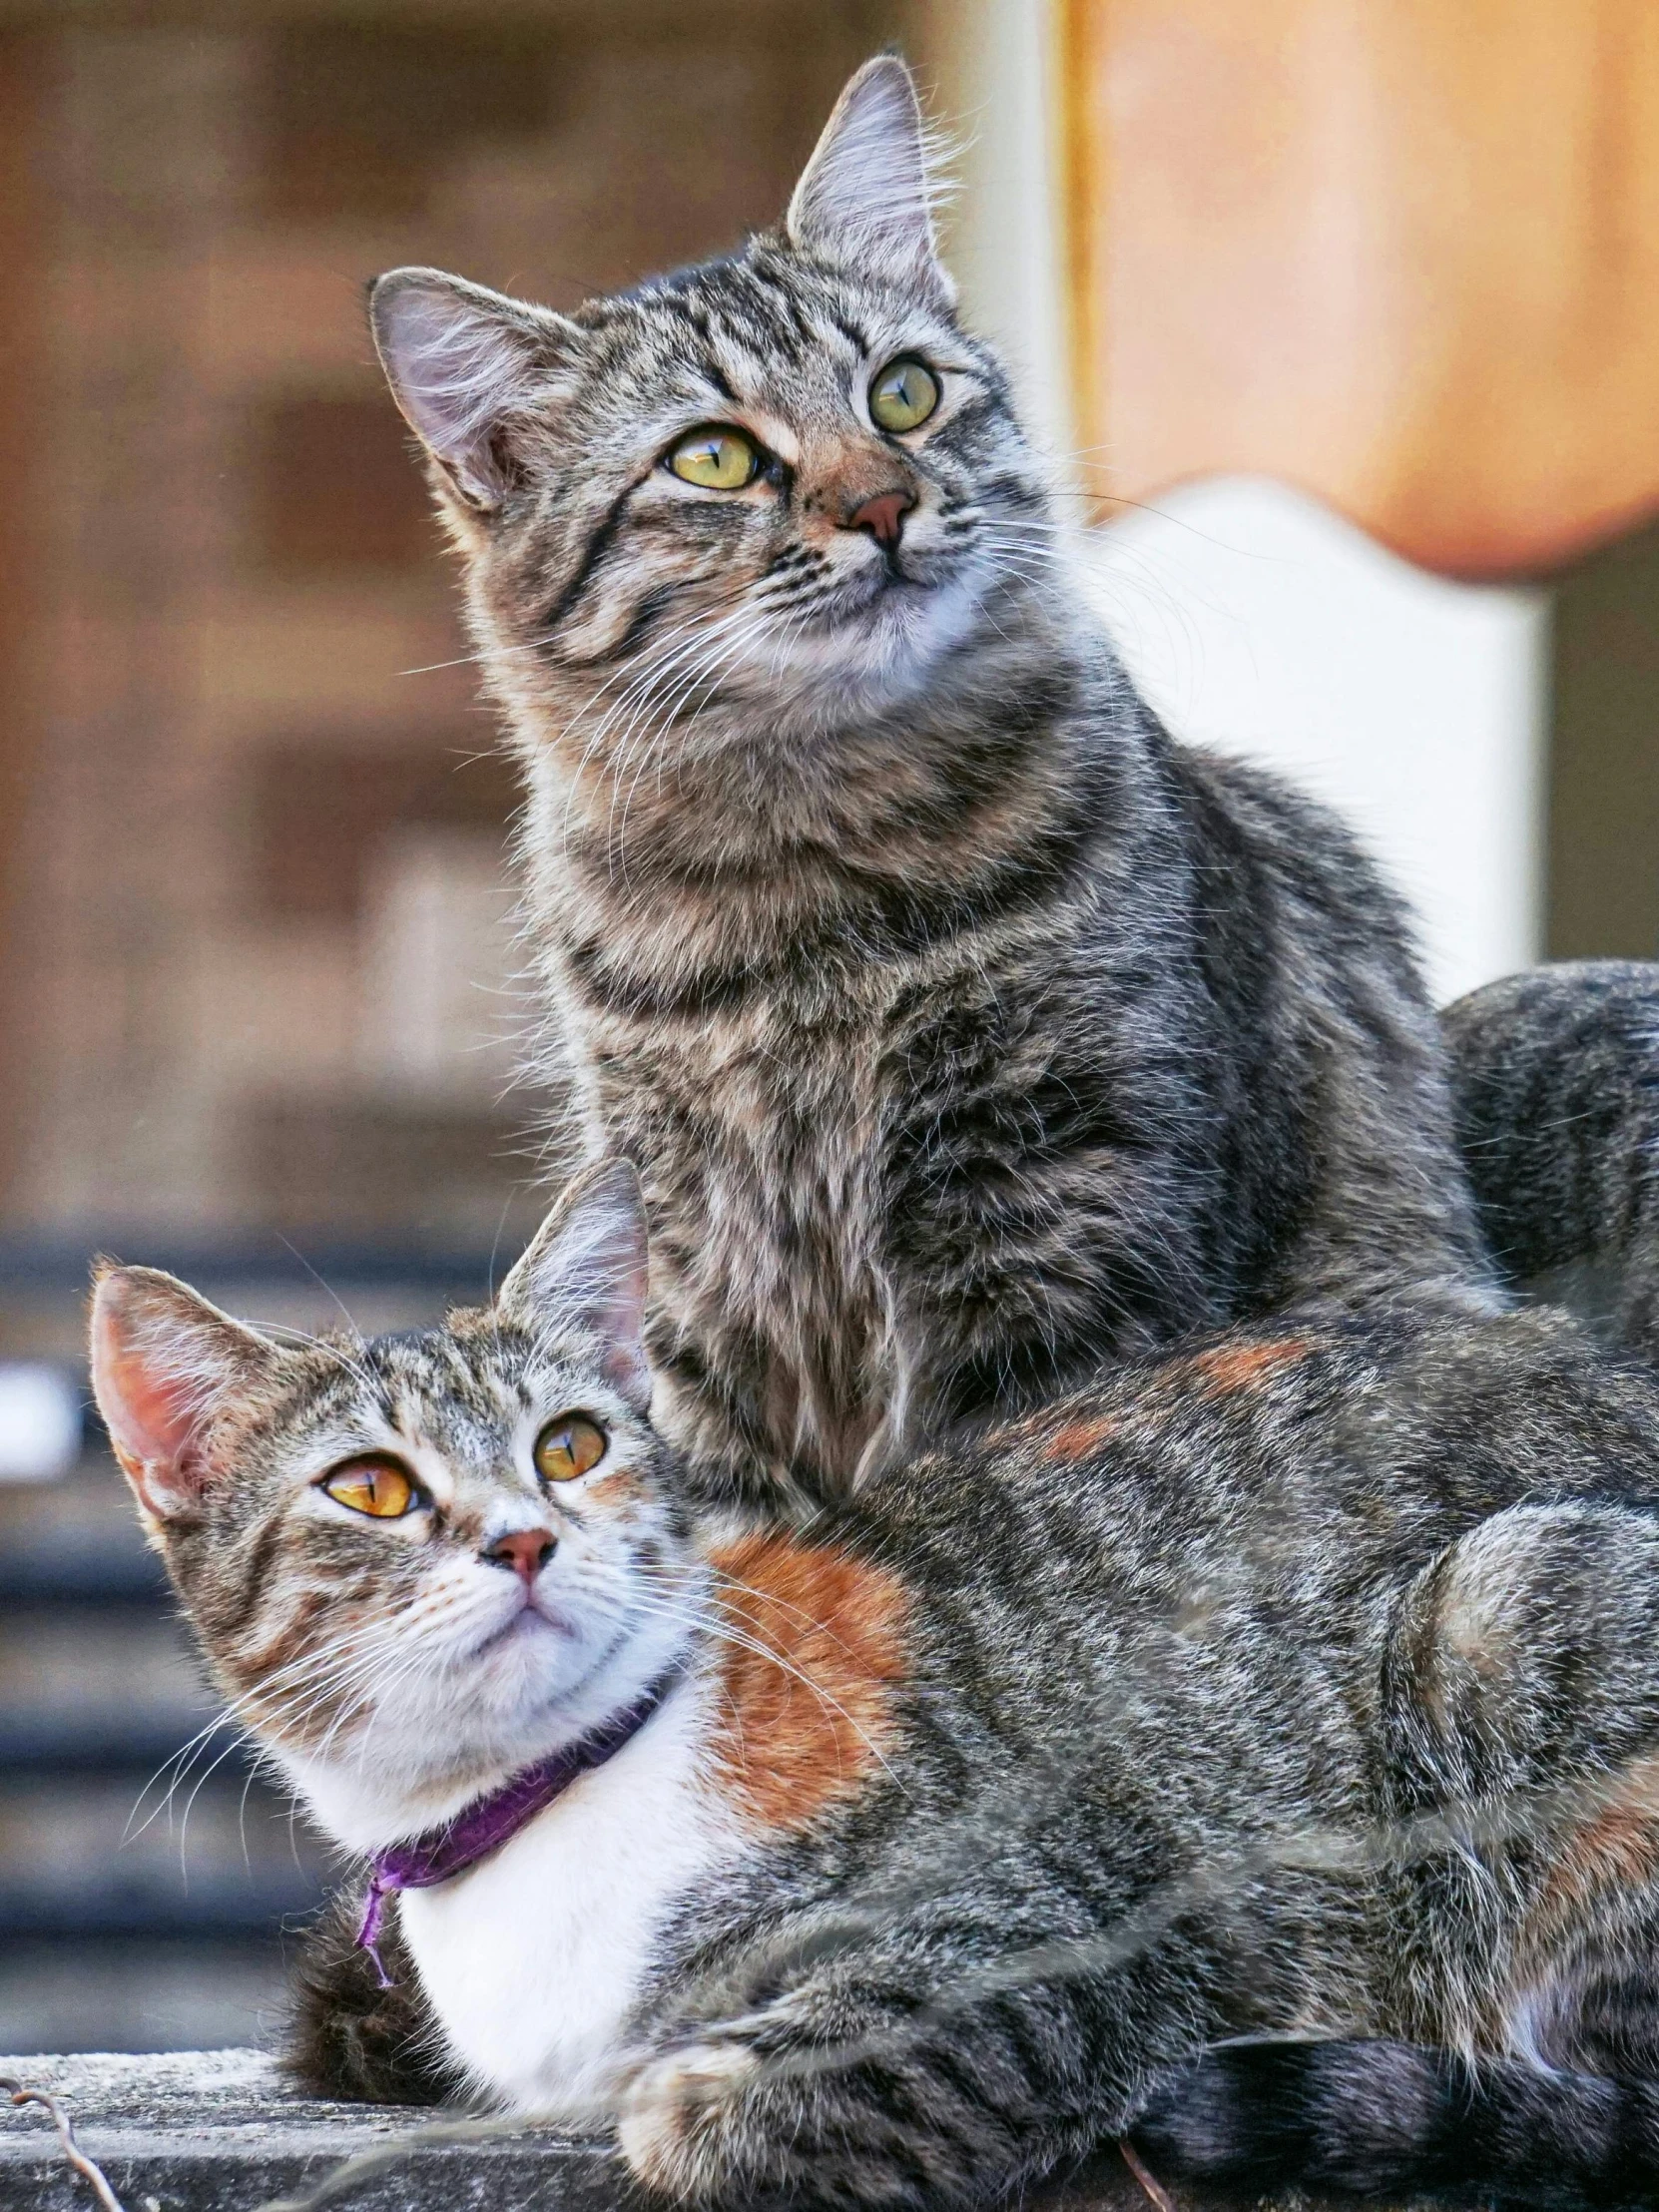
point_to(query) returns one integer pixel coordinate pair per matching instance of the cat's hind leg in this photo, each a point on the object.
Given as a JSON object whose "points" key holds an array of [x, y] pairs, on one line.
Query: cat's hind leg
{"points": [[1519, 1782], [1520, 1727]]}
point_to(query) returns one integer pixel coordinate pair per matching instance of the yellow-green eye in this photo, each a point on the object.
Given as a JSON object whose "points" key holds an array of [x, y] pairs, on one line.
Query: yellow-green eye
{"points": [[903, 395], [569, 1446], [372, 1485], [719, 459]]}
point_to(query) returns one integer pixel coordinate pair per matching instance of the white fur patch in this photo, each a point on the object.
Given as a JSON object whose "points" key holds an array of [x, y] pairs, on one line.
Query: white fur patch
{"points": [[533, 1959]]}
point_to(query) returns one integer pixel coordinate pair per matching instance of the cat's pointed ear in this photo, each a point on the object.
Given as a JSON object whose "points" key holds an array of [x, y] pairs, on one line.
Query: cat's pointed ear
{"points": [[165, 1366], [462, 362], [587, 1267], [867, 195]]}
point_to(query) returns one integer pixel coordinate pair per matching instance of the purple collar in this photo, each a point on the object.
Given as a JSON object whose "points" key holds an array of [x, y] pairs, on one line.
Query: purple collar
{"points": [[489, 1822]]}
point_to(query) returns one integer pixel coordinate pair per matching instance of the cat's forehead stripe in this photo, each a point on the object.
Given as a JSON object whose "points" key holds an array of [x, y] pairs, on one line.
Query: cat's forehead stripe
{"points": [[748, 320]]}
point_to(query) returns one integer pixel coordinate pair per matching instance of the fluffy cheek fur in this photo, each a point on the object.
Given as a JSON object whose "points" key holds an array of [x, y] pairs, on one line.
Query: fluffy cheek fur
{"points": [[298, 1623]]}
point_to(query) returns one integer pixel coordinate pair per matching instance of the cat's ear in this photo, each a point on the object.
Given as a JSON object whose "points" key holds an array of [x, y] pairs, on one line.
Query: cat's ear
{"points": [[867, 195], [587, 1267], [165, 1366], [462, 362]]}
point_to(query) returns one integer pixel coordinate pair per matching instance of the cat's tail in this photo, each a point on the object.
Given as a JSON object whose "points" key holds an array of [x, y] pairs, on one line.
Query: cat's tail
{"points": [[1555, 1097], [1395, 2121]]}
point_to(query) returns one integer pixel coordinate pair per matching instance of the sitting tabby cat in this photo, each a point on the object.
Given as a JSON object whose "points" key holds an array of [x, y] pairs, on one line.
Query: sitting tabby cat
{"points": [[967, 1030], [1305, 1685]]}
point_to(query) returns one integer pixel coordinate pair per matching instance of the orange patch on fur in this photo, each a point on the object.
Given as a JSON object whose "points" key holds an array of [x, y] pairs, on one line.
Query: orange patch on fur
{"points": [[1218, 1372], [1617, 1847], [1230, 1368], [1079, 1437], [612, 1489], [805, 1715]]}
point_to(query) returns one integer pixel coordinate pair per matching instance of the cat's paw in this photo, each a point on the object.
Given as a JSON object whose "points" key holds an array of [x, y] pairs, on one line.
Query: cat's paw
{"points": [[674, 2123]]}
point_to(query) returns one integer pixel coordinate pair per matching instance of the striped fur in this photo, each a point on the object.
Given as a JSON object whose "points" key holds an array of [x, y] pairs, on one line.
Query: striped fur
{"points": [[968, 1031], [1383, 2122], [1299, 1686], [1556, 1084]]}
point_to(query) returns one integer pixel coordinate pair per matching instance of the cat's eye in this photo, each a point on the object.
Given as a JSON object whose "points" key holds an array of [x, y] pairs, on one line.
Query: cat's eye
{"points": [[569, 1446], [903, 395], [374, 1485], [717, 458]]}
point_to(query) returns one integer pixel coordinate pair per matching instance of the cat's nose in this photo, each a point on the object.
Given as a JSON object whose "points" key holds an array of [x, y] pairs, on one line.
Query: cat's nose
{"points": [[883, 516], [525, 1550]]}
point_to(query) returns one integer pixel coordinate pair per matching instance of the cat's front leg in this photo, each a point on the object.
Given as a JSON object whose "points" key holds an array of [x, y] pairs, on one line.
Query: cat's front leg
{"points": [[1521, 1724], [679, 2110], [834, 2104]]}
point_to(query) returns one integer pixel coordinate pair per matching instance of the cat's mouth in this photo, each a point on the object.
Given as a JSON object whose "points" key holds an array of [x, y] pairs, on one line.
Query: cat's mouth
{"points": [[886, 589], [521, 1627]]}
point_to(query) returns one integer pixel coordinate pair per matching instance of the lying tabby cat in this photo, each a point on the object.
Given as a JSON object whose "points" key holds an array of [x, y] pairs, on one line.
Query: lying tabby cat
{"points": [[1302, 1687]]}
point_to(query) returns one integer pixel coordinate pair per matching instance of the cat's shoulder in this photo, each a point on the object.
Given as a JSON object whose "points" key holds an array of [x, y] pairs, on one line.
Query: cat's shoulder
{"points": [[1240, 806]]}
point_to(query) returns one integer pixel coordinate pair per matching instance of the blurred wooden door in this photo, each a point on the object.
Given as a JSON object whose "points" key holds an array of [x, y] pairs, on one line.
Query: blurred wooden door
{"points": [[1404, 253]]}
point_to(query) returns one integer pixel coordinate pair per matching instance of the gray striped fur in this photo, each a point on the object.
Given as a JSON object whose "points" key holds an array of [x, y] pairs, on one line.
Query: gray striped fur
{"points": [[1556, 1075], [1302, 1687], [968, 1031]]}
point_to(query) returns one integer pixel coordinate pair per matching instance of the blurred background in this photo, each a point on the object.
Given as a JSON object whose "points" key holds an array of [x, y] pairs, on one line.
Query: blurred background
{"points": [[1336, 327]]}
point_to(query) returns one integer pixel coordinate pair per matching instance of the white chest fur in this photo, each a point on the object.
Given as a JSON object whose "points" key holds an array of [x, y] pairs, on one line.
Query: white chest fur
{"points": [[532, 1960]]}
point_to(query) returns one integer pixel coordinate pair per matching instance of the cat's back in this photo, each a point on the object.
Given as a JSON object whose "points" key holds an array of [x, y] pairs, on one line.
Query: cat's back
{"points": [[1286, 1469]]}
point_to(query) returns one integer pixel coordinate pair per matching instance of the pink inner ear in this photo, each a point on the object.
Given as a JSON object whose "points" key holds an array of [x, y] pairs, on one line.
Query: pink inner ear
{"points": [[150, 1408]]}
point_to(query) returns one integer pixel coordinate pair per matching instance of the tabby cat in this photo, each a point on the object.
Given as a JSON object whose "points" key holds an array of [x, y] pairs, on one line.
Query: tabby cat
{"points": [[968, 1031], [1302, 1688]]}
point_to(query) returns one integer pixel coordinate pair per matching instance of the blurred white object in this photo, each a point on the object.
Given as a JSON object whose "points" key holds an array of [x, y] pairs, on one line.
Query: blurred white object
{"points": [[990, 68], [40, 1421], [442, 1016], [1257, 621]]}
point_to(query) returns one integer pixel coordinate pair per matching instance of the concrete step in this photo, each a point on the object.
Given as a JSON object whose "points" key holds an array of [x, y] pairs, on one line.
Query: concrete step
{"points": [[219, 2131]]}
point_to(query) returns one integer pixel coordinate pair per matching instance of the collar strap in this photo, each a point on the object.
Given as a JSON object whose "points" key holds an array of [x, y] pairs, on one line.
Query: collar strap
{"points": [[489, 1822]]}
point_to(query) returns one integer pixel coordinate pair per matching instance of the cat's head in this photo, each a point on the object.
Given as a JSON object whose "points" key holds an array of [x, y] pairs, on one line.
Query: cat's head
{"points": [[418, 1563], [787, 480]]}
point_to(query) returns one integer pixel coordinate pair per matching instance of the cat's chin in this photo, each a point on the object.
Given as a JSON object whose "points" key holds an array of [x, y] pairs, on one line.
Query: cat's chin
{"points": [[409, 1771], [881, 650]]}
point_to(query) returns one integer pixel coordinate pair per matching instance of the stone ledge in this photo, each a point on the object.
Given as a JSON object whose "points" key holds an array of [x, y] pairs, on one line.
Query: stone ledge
{"points": [[222, 2131]]}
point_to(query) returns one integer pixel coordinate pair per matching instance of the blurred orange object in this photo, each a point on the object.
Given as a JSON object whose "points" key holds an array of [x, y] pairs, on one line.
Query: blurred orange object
{"points": [[1403, 255]]}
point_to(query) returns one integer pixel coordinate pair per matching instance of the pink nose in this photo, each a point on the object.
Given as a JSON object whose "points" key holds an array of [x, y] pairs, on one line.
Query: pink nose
{"points": [[526, 1551], [883, 516]]}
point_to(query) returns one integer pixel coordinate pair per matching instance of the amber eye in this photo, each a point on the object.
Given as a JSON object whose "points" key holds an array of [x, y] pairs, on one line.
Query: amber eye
{"points": [[569, 1446], [372, 1485], [720, 459], [903, 395]]}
